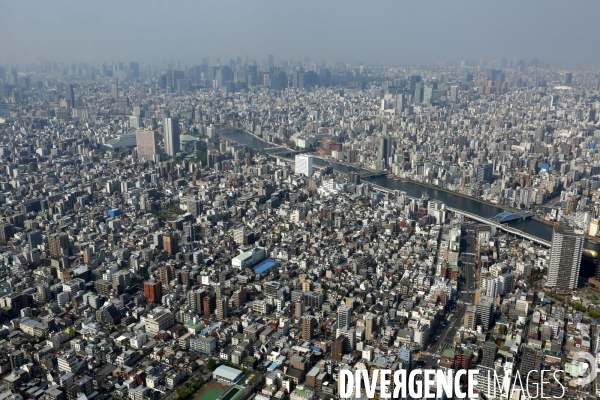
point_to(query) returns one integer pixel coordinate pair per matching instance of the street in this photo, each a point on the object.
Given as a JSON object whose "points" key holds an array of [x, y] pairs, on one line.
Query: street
{"points": [[446, 339]]}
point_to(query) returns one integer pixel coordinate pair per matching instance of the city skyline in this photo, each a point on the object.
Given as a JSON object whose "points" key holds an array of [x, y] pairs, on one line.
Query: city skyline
{"points": [[385, 32]]}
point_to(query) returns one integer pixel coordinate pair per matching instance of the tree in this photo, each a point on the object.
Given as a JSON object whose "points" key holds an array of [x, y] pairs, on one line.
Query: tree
{"points": [[211, 364]]}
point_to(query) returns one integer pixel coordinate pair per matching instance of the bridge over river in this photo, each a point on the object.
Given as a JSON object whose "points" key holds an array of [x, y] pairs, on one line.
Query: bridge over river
{"points": [[499, 225]]}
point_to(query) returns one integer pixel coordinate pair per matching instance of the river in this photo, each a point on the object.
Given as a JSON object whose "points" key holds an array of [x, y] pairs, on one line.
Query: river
{"points": [[530, 226]]}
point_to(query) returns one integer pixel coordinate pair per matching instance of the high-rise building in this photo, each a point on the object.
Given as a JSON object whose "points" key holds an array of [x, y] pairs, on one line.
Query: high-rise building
{"points": [[344, 317], [171, 243], [470, 319], [370, 326], [171, 135], [414, 79], [338, 348], [134, 70], [58, 244], [195, 300], [165, 273], [239, 297], [6, 232], [239, 235], [453, 98], [419, 89], [121, 280], [270, 289], [70, 95], [304, 164], [531, 361], [565, 259], [385, 150], [308, 327], [17, 358], [34, 238], [194, 206], [484, 312], [147, 144], [350, 334], [485, 172], [462, 361], [568, 78], [223, 308], [298, 307], [153, 291], [114, 89], [489, 354], [209, 304]]}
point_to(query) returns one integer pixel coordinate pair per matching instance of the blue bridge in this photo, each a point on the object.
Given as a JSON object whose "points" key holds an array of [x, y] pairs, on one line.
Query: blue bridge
{"points": [[507, 216]]}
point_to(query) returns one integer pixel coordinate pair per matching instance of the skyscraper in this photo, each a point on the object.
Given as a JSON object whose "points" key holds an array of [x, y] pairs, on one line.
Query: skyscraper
{"points": [[70, 95], [304, 164], [171, 135], [114, 89], [453, 98], [418, 94], [134, 70], [565, 259], [385, 150], [147, 144], [344, 317]]}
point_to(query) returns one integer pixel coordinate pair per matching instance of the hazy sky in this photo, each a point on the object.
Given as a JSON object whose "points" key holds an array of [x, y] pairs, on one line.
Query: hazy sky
{"points": [[555, 31]]}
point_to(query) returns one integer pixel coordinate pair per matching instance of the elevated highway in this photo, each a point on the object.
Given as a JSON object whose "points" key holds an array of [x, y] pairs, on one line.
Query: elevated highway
{"points": [[503, 227]]}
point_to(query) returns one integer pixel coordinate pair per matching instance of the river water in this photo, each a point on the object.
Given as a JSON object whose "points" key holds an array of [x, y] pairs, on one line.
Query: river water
{"points": [[530, 226]]}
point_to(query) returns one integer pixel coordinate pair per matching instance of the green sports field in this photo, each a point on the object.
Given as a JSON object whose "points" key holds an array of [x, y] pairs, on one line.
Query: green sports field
{"points": [[212, 391]]}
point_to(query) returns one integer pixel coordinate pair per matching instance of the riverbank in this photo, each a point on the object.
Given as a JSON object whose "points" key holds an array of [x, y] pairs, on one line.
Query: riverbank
{"points": [[251, 134], [535, 226], [472, 198]]}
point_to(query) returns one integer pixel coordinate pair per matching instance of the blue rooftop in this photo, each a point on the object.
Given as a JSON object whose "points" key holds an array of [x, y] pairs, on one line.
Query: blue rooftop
{"points": [[316, 349], [265, 266]]}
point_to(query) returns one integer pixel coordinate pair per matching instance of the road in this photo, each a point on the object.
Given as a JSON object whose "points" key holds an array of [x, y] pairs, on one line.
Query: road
{"points": [[447, 338], [469, 274]]}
